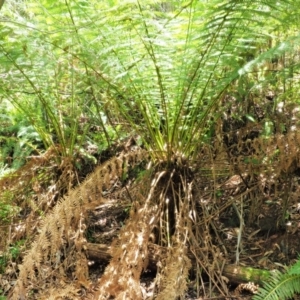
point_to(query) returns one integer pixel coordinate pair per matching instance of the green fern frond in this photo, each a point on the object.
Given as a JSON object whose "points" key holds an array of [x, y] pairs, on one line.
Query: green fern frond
{"points": [[295, 269], [281, 286]]}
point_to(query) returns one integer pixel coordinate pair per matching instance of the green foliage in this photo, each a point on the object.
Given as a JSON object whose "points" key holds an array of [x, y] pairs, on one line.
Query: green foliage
{"points": [[3, 263], [7, 212], [160, 69], [11, 254], [281, 286], [18, 139], [47, 83]]}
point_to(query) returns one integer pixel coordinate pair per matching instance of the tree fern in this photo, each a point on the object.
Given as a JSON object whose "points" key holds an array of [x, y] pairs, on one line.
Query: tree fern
{"points": [[161, 69], [174, 70], [281, 286]]}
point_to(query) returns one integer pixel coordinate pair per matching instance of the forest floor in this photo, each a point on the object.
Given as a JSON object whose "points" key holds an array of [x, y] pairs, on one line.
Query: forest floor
{"points": [[264, 245]]}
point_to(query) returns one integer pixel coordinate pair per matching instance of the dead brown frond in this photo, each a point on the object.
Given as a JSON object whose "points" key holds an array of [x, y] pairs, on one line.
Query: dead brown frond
{"points": [[121, 278], [33, 190], [172, 278], [57, 254], [129, 258]]}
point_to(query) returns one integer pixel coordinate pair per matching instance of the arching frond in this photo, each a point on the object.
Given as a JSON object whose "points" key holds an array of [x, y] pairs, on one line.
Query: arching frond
{"points": [[281, 286]]}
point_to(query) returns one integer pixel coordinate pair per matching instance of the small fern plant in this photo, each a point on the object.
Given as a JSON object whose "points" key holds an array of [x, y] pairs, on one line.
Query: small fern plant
{"points": [[282, 285]]}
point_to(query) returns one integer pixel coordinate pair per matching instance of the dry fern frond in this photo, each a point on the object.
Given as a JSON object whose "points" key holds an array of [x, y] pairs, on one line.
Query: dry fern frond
{"points": [[67, 292], [130, 258], [32, 189], [129, 251], [58, 250], [173, 281]]}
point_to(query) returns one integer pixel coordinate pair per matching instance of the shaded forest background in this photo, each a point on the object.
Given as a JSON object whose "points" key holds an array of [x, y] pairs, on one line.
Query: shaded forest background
{"points": [[165, 131]]}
